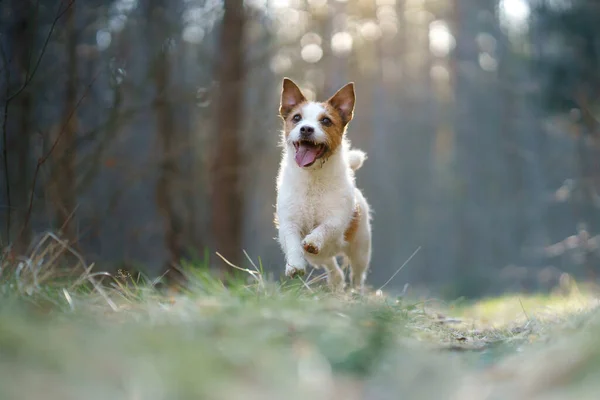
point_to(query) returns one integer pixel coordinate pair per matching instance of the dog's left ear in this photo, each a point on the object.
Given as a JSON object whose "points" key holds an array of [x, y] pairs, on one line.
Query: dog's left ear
{"points": [[291, 96], [343, 102]]}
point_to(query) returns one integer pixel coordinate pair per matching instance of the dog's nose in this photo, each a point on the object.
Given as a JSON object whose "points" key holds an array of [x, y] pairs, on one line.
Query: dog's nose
{"points": [[307, 130]]}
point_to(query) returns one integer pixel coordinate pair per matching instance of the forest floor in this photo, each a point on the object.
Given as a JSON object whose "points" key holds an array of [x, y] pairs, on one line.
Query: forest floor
{"points": [[71, 338]]}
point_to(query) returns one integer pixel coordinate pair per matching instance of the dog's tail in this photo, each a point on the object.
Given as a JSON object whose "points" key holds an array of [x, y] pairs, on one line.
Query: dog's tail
{"points": [[356, 158]]}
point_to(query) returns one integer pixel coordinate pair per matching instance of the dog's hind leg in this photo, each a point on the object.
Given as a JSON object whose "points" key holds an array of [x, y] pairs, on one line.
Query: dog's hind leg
{"points": [[335, 275], [359, 265]]}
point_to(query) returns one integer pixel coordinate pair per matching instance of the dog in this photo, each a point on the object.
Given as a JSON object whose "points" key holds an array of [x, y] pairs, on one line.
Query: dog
{"points": [[320, 213]]}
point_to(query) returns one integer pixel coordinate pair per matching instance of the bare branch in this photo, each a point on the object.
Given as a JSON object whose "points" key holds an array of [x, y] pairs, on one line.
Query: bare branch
{"points": [[30, 75], [9, 97], [5, 142], [44, 158]]}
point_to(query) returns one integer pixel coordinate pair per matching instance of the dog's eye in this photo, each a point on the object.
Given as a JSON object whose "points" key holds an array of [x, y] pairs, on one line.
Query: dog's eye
{"points": [[297, 118], [326, 121]]}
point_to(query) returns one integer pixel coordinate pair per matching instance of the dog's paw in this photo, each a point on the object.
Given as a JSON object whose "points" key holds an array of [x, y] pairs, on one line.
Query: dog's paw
{"points": [[293, 272], [311, 246]]}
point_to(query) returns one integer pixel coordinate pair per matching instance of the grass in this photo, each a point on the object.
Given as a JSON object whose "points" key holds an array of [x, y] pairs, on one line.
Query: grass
{"points": [[94, 336]]}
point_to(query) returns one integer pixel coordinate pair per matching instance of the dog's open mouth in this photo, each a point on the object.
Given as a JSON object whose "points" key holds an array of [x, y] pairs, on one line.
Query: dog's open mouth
{"points": [[307, 152]]}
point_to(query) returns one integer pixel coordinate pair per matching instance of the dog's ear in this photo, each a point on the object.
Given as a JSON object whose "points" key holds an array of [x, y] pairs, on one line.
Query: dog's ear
{"points": [[291, 96], [343, 102]]}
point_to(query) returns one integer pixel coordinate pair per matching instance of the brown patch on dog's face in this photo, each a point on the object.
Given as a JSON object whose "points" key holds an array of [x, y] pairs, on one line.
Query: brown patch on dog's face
{"points": [[339, 110], [291, 104], [288, 120], [353, 226], [333, 126]]}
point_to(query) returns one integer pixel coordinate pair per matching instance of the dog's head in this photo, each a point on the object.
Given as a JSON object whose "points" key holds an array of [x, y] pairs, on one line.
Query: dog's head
{"points": [[314, 130]]}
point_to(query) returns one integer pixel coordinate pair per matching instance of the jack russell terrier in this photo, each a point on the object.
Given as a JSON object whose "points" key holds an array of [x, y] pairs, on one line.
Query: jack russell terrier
{"points": [[321, 214]]}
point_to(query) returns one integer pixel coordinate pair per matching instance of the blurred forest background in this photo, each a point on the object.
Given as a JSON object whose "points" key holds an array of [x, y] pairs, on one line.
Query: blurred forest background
{"points": [[146, 131]]}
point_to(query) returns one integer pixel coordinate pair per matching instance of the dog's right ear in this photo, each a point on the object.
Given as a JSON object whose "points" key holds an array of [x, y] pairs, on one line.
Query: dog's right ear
{"points": [[291, 96]]}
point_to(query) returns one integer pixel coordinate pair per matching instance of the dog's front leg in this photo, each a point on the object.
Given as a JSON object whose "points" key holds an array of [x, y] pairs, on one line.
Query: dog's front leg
{"points": [[290, 240], [325, 238]]}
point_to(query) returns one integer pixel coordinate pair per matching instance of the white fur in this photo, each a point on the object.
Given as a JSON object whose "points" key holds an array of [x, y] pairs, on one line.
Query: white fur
{"points": [[310, 117], [315, 206], [356, 158]]}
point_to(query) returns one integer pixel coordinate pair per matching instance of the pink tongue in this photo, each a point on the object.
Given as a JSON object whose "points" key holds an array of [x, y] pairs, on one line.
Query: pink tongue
{"points": [[306, 155]]}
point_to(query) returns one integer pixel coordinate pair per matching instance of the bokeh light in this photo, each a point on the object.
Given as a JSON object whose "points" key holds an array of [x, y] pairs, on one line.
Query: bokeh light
{"points": [[312, 53], [341, 43], [441, 40]]}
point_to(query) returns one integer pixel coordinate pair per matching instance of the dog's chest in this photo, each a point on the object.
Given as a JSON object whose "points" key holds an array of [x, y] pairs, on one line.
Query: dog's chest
{"points": [[311, 202], [313, 207]]}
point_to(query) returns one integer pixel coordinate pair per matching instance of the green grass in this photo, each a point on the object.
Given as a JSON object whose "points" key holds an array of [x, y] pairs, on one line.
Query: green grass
{"points": [[91, 336]]}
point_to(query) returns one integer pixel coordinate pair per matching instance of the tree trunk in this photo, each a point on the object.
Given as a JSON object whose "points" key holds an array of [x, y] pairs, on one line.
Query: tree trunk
{"points": [[169, 172], [469, 103], [64, 156], [227, 196], [18, 146]]}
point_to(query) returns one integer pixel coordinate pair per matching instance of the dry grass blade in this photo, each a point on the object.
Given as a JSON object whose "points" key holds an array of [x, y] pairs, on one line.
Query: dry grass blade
{"points": [[90, 278], [159, 279], [401, 267], [523, 308], [18, 276], [306, 285], [102, 293], [47, 254], [83, 276], [309, 275], [317, 278], [69, 299], [258, 272], [101, 274], [248, 271], [250, 260]]}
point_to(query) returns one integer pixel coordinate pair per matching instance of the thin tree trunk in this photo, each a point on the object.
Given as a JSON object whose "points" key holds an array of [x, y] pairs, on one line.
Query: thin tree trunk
{"points": [[468, 244], [20, 141], [227, 196], [169, 172], [64, 188]]}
